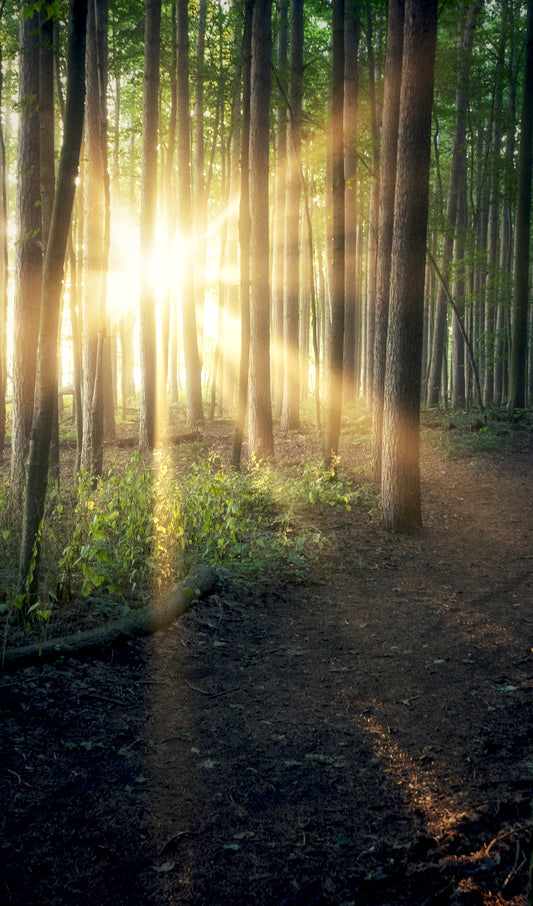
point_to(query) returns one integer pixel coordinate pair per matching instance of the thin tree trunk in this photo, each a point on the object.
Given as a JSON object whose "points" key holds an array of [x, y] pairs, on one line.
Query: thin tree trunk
{"points": [[336, 343], [4, 265], [46, 384], [351, 326], [290, 416], [261, 431], [518, 364], [387, 181], [28, 256], [193, 366], [279, 222], [148, 428]]}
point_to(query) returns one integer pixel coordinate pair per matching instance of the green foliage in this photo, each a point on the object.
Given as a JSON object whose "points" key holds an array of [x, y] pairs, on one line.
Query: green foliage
{"points": [[107, 548], [127, 534], [238, 521]]}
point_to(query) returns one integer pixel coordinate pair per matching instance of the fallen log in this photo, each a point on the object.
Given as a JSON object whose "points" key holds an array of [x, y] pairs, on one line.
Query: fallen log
{"points": [[157, 614]]}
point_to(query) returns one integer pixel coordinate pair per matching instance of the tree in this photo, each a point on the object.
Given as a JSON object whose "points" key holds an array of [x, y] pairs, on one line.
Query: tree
{"points": [[4, 261], [336, 334], [517, 397], [46, 382], [244, 237], [96, 225], [193, 367], [29, 255], [352, 325], [261, 431], [291, 309], [148, 417], [400, 486], [387, 181], [280, 197]]}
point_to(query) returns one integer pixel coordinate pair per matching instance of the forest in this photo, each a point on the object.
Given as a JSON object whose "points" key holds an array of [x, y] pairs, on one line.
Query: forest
{"points": [[266, 396]]}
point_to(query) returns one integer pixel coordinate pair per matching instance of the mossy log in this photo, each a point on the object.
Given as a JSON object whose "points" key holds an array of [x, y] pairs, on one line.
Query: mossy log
{"points": [[157, 614]]}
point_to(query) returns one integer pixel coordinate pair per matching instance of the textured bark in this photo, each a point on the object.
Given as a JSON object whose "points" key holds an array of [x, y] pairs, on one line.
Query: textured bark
{"points": [[96, 213], [156, 615], [389, 145], [148, 415], [4, 270], [193, 366], [336, 335], [200, 197], [46, 384], [518, 364], [290, 416], [28, 255], [278, 236], [351, 323], [400, 486], [261, 432], [244, 238]]}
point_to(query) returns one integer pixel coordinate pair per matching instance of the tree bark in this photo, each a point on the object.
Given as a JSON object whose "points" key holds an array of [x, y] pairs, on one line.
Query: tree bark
{"points": [[351, 86], [156, 615], [46, 384], [279, 222], [193, 367], [387, 181], [261, 431], [244, 237], [148, 428], [518, 364], [336, 335], [28, 256], [290, 416], [400, 486]]}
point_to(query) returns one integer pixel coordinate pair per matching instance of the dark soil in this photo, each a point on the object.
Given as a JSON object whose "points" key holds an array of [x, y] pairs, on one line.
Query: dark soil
{"points": [[364, 738]]}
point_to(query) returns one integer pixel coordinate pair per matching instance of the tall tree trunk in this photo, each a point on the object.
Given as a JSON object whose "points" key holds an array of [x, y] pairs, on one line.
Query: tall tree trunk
{"points": [[351, 325], [193, 365], [389, 147], [373, 214], [244, 237], [148, 428], [492, 289], [28, 255], [47, 173], [518, 364], [290, 417], [400, 486], [458, 358], [200, 197], [279, 222], [46, 384], [4, 268], [95, 276], [261, 431], [336, 338]]}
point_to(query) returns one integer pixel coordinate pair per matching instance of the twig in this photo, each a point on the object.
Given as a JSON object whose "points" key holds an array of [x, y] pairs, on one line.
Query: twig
{"points": [[211, 694]]}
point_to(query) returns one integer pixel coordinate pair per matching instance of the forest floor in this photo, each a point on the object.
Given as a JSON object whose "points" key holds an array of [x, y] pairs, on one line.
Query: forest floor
{"points": [[363, 738]]}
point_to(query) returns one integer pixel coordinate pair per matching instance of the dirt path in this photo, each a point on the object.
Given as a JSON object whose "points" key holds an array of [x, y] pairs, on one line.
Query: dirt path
{"points": [[364, 739]]}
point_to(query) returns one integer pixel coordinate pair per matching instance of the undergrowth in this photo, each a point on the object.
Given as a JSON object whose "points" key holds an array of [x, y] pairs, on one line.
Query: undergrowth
{"points": [[110, 547]]}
